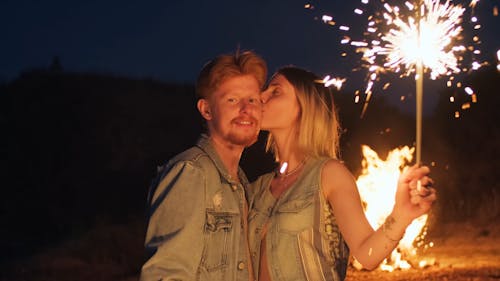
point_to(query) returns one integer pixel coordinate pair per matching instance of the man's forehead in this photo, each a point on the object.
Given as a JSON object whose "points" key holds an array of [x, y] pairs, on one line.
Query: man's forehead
{"points": [[240, 84]]}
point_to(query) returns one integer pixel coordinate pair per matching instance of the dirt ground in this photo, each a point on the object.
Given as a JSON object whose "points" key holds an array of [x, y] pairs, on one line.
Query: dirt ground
{"points": [[461, 252]]}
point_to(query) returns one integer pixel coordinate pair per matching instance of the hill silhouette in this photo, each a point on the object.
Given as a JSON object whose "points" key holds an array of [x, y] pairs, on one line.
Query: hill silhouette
{"points": [[84, 147]]}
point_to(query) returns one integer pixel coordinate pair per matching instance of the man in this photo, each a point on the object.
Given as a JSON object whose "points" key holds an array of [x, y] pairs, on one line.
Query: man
{"points": [[197, 228]]}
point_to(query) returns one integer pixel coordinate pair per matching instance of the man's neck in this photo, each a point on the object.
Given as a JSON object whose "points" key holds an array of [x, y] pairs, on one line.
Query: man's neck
{"points": [[230, 155]]}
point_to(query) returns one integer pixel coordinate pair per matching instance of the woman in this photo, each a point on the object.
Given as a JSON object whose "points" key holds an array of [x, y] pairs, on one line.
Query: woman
{"points": [[307, 216]]}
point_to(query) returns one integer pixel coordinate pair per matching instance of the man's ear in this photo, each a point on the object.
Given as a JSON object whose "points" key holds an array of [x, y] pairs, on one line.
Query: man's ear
{"points": [[204, 109]]}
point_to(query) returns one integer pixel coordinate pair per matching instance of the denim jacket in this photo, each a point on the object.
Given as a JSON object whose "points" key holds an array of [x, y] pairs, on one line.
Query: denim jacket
{"points": [[196, 221], [303, 241]]}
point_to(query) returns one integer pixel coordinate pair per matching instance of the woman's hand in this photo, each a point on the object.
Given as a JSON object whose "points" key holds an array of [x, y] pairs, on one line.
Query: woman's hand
{"points": [[415, 194]]}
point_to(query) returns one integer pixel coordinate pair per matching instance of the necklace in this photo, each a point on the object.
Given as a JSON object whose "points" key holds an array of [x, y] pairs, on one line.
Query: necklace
{"points": [[283, 173], [284, 179]]}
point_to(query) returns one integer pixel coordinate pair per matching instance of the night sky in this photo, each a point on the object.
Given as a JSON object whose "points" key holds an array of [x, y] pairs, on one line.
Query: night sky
{"points": [[171, 40]]}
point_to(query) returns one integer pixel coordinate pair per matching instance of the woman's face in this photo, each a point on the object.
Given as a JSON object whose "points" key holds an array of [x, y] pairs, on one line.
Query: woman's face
{"points": [[281, 108]]}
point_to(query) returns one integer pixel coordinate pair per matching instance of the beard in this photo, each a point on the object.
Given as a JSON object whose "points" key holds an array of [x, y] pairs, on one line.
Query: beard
{"points": [[245, 140]]}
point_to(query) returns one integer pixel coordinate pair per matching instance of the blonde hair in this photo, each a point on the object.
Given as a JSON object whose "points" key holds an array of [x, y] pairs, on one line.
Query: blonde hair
{"points": [[318, 127], [227, 66]]}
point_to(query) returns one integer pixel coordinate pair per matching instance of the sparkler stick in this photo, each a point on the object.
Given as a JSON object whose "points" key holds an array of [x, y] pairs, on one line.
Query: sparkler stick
{"points": [[419, 102], [419, 88]]}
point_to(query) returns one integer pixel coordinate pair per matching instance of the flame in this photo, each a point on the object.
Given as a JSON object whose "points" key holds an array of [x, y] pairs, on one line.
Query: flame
{"points": [[377, 187]]}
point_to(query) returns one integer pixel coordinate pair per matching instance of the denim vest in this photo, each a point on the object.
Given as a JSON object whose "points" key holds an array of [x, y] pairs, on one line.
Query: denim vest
{"points": [[195, 229], [303, 241]]}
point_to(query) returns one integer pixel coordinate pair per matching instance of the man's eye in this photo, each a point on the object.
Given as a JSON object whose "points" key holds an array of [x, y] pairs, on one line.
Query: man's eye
{"points": [[254, 101], [231, 100]]}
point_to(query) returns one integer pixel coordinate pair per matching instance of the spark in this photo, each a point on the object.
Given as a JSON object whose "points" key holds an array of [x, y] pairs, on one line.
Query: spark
{"points": [[498, 59], [336, 82], [326, 18], [345, 40]]}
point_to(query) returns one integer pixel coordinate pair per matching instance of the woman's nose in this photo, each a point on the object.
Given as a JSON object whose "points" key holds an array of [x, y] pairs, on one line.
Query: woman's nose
{"points": [[264, 96]]}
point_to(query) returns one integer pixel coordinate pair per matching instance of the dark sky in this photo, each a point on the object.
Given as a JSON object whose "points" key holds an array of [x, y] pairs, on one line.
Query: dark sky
{"points": [[170, 40]]}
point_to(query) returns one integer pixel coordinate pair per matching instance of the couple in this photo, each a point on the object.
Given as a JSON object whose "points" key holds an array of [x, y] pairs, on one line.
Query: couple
{"points": [[206, 222]]}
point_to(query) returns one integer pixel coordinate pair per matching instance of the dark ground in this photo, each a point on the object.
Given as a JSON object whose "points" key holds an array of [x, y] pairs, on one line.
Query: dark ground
{"points": [[461, 252]]}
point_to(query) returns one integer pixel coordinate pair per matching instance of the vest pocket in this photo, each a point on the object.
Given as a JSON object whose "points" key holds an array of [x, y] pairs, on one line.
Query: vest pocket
{"points": [[218, 234], [296, 214], [296, 204]]}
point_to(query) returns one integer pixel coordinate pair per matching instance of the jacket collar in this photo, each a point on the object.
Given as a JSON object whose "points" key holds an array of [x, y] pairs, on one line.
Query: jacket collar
{"points": [[205, 144]]}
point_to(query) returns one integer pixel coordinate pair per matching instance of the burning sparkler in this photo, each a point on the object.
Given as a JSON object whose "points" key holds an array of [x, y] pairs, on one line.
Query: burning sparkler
{"points": [[417, 37]]}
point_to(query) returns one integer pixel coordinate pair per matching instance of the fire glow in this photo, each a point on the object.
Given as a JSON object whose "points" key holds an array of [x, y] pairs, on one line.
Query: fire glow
{"points": [[377, 187]]}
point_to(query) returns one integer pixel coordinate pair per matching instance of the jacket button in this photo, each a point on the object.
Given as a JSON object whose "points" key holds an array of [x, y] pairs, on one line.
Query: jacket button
{"points": [[234, 187], [241, 265]]}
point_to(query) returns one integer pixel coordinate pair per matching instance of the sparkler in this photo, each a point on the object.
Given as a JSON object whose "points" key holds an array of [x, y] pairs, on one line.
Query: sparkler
{"points": [[412, 39]]}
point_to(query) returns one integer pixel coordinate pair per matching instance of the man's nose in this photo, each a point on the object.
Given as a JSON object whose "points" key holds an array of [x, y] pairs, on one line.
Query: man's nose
{"points": [[247, 106]]}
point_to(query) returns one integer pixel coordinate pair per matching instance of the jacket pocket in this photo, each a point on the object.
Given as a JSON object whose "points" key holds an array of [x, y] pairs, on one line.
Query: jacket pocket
{"points": [[219, 236]]}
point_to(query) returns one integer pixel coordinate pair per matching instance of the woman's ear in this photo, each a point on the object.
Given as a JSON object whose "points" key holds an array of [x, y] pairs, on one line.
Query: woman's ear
{"points": [[204, 109]]}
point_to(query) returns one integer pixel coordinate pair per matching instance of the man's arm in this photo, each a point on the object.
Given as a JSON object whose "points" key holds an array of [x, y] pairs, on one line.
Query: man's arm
{"points": [[174, 237]]}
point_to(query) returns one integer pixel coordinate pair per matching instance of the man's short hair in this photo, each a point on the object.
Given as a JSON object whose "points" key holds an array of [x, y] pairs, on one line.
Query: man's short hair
{"points": [[227, 66]]}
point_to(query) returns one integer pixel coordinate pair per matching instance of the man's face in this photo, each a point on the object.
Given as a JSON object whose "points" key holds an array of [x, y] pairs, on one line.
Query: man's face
{"points": [[234, 111]]}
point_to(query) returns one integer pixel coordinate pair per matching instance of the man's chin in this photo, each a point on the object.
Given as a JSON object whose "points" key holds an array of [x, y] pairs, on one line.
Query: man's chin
{"points": [[245, 141]]}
